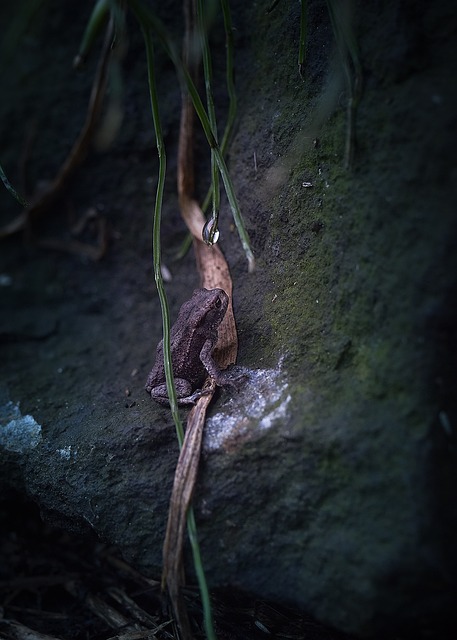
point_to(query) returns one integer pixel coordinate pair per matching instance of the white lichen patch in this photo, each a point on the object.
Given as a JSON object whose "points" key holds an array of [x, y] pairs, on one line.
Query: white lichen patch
{"points": [[65, 452], [18, 433], [261, 404]]}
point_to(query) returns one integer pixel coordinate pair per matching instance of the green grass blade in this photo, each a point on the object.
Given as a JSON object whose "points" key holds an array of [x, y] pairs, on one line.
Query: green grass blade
{"points": [[341, 19], [204, 592], [229, 74], [208, 75], [230, 82], [146, 17], [302, 42], [191, 525], [226, 179], [156, 248], [99, 16], [17, 196]]}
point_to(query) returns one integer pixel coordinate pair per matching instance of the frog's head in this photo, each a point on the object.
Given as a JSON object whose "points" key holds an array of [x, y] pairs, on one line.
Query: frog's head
{"points": [[210, 306]]}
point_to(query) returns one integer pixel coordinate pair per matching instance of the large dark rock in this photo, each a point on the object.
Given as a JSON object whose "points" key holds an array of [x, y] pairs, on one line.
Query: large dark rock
{"points": [[329, 480]]}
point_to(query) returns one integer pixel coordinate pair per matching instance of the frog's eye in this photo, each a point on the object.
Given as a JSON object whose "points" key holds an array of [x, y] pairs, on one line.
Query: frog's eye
{"points": [[218, 303]]}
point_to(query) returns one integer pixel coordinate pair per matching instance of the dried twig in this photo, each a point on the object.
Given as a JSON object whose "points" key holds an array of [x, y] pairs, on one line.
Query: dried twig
{"points": [[17, 631], [130, 572], [102, 609], [134, 610], [42, 203]]}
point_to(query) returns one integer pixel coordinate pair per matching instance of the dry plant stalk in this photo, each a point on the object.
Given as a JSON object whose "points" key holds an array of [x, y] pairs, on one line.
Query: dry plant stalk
{"points": [[41, 204], [214, 273]]}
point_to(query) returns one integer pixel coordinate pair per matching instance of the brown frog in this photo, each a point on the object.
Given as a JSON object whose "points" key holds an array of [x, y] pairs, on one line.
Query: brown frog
{"points": [[192, 339]]}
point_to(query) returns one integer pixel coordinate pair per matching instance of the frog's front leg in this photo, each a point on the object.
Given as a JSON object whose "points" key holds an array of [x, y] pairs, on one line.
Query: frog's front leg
{"points": [[183, 392], [221, 377]]}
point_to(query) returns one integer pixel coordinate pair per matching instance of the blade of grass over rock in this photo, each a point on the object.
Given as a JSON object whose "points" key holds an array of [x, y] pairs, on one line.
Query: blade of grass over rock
{"points": [[229, 74], [204, 592], [237, 217], [192, 530], [302, 41], [341, 19], [146, 17], [208, 74], [156, 249], [99, 16], [17, 196], [230, 82]]}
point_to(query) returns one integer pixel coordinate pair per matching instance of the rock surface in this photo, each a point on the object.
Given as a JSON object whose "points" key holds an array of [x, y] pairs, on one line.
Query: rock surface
{"points": [[329, 480]]}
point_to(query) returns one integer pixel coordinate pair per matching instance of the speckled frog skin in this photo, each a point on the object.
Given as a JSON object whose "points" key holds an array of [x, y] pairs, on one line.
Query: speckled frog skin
{"points": [[193, 338]]}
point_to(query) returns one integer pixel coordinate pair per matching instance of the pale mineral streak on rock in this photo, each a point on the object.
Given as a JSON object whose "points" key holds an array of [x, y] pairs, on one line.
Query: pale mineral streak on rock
{"points": [[261, 403], [65, 452], [18, 433]]}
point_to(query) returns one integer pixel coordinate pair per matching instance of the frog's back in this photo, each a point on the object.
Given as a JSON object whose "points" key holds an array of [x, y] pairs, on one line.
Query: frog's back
{"points": [[185, 354]]}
